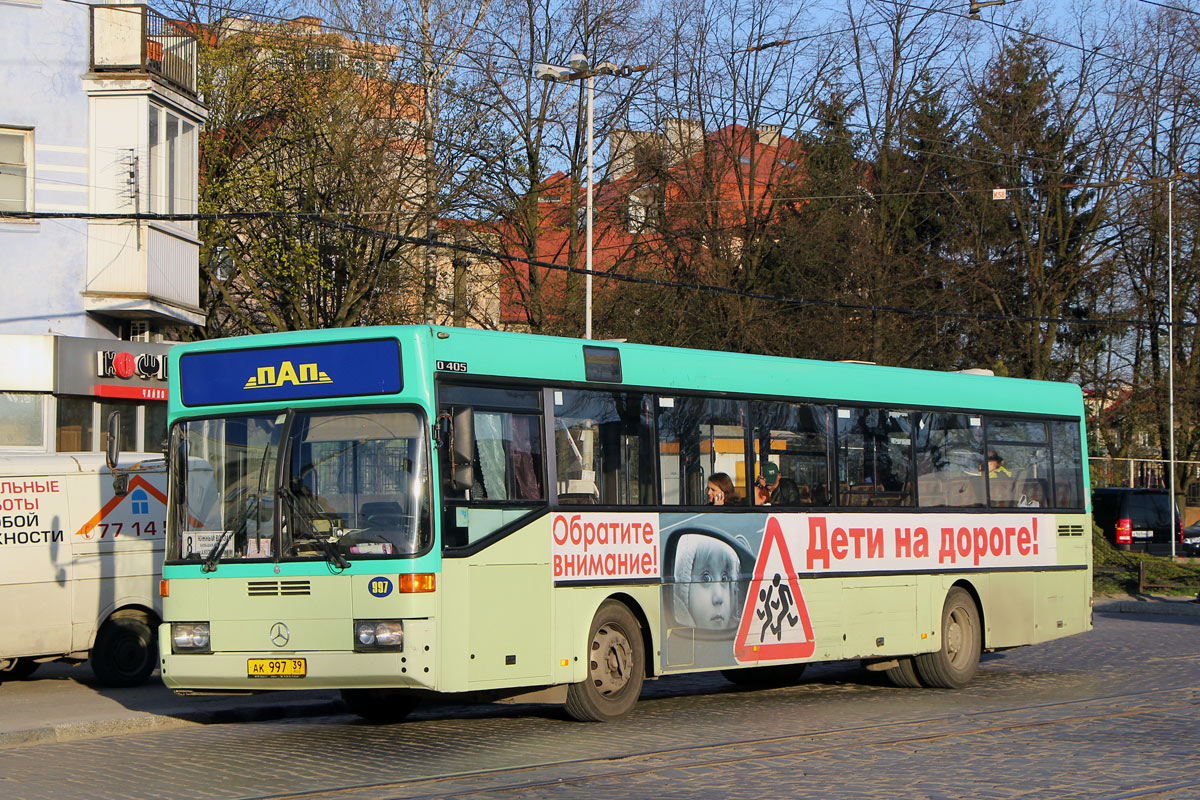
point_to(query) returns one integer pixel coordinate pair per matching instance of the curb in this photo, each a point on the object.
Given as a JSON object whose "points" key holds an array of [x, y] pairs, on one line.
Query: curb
{"points": [[148, 722], [1170, 608]]}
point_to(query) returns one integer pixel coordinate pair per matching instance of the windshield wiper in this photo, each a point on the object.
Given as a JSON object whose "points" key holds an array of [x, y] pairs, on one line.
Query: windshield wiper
{"points": [[294, 502], [238, 526], [332, 554]]}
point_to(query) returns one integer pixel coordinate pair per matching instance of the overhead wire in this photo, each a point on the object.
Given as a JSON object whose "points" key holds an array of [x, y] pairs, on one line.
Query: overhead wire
{"points": [[643, 80], [645, 280]]}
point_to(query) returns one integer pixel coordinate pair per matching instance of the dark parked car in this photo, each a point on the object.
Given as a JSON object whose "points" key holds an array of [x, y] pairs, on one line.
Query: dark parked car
{"points": [[1137, 519]]}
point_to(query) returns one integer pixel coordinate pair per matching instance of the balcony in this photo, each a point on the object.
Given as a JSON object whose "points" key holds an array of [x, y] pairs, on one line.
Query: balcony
{"points": [[134, 38], [142, 271]]}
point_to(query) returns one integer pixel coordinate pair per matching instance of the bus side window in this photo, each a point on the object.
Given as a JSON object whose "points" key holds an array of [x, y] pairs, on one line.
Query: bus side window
{"points": [[603, 448], [949, 452], [507, 461], [874, 450], [796, 437], [697, 437], [1068, 468]]}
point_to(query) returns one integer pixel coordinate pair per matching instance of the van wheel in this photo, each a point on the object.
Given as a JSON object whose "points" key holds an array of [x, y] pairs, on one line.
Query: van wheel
{"points": [[954, 664], [765, 677], [381, 705], [616, 667], [904, 674], [19, 669], [126, 651]]}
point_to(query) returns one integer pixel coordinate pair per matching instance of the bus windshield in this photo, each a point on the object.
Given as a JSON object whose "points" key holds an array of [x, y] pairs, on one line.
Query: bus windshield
{"points": [[334, 485]]}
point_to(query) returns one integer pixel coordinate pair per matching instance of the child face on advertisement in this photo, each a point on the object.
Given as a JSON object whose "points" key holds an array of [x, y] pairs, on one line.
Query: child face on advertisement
{"points": [[710, 599]]}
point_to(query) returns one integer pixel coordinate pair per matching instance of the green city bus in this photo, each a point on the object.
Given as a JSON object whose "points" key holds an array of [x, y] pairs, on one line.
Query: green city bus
{"points": [[398, 511]]}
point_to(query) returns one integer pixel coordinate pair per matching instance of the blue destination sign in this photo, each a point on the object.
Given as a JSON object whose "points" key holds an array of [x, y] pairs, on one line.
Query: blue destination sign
{"points": [[304, 372]]}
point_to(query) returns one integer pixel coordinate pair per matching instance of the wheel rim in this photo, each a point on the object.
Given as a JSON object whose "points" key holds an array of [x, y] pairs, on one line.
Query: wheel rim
{"points": [[958, 635], [612, 660], [129, 654]]}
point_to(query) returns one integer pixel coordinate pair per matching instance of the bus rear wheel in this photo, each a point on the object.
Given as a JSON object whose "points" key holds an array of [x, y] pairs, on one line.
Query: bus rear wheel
{"points": [[616, 667], [381, 705], [125, 652], [18, 669], [955, 663], [904, 674]]}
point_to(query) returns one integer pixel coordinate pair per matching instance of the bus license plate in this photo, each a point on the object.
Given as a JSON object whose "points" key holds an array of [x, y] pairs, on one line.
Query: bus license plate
{"points": [[276, 668]]}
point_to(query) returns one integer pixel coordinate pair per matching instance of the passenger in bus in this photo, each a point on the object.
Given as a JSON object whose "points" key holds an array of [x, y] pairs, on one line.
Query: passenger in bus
{"points": [[705, 588], [996, 468], [780, 491], [720, 489]]}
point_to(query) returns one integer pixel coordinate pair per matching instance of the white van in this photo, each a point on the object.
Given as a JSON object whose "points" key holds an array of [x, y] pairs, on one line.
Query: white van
{"points": [[80, 565]]}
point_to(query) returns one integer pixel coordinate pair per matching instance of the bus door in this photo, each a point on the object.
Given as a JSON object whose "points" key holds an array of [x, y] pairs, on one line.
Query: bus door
{"points": [[493, 481]]}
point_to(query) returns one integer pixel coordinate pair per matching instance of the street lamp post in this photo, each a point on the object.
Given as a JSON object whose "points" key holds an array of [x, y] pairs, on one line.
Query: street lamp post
{"points": [[578, 69], [1171, 355]]}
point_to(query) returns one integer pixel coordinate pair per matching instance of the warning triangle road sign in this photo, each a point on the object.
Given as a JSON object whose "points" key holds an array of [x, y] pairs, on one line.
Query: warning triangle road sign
{"points": [[775, 623]]}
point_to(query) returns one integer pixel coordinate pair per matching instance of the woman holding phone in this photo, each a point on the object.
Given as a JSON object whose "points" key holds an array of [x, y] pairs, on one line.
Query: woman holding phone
{"points": [[720, 489]]}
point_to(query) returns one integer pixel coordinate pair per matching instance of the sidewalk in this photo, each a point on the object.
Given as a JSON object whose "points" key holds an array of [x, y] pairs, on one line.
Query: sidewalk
{"points": [[61, 702]]}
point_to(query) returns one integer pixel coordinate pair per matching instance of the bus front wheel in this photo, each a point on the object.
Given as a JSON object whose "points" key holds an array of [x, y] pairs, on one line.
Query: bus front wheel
{"points": [[953, 665], [616, 667], [125, 652]]}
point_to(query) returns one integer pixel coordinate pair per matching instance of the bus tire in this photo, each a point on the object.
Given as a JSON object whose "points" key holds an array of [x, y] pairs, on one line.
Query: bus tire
{"points": [[954, 664], [381, 705], [904, 674], [616, 667], [126, 651], [765, 677], [19, 669]]}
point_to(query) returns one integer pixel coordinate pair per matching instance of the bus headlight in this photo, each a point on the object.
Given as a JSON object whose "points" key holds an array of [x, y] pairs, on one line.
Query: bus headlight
{"points": [[190, 637], [378, 634]]}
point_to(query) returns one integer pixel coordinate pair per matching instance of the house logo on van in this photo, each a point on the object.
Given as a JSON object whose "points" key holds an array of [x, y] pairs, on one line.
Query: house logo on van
{"points": [[141, 492], [287, 374]]}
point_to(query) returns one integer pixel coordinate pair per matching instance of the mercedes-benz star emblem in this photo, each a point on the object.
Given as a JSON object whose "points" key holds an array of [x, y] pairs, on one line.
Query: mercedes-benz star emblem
{"points": [[280, 634]]}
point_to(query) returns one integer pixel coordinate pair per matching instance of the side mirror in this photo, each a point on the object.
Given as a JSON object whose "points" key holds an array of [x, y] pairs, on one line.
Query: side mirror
{"points": [[112, 451], [462, 449], [112, 442]]}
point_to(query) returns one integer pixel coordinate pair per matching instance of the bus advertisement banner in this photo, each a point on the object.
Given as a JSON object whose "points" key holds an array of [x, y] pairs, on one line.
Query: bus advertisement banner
{"points": [[733, 584]]}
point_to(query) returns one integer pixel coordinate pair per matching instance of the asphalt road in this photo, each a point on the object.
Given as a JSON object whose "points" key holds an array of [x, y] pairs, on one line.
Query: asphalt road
{"points": [[1114, 713]]}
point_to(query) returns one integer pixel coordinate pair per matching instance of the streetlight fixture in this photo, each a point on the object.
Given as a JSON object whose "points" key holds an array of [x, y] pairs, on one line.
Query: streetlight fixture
{"points": [[579, 68]]}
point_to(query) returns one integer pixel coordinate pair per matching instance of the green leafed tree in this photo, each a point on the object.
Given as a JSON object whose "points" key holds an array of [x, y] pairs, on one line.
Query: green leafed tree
{"points": [[1032, 251]]}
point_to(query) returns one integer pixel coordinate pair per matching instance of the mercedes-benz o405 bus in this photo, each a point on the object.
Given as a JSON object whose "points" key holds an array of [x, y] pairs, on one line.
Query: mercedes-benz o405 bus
{"points": [[402, 510]]}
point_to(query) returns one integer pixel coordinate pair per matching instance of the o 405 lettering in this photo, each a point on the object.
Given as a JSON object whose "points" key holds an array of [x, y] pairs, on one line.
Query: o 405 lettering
{"points": [[451, 366]]}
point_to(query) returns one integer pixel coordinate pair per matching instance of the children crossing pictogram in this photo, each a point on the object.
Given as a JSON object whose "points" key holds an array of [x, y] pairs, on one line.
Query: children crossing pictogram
{"points": [[775, 623]]}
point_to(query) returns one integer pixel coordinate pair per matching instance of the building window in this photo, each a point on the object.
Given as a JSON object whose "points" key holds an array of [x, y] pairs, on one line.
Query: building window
{"points": [[82, 425], [636, 213], [16, 173], [21, 417], [75, 425], [172, 174]]}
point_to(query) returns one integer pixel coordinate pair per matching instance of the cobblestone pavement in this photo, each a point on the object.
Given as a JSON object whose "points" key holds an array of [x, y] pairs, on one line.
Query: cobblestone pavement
{"points": [[1111, 714]]}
